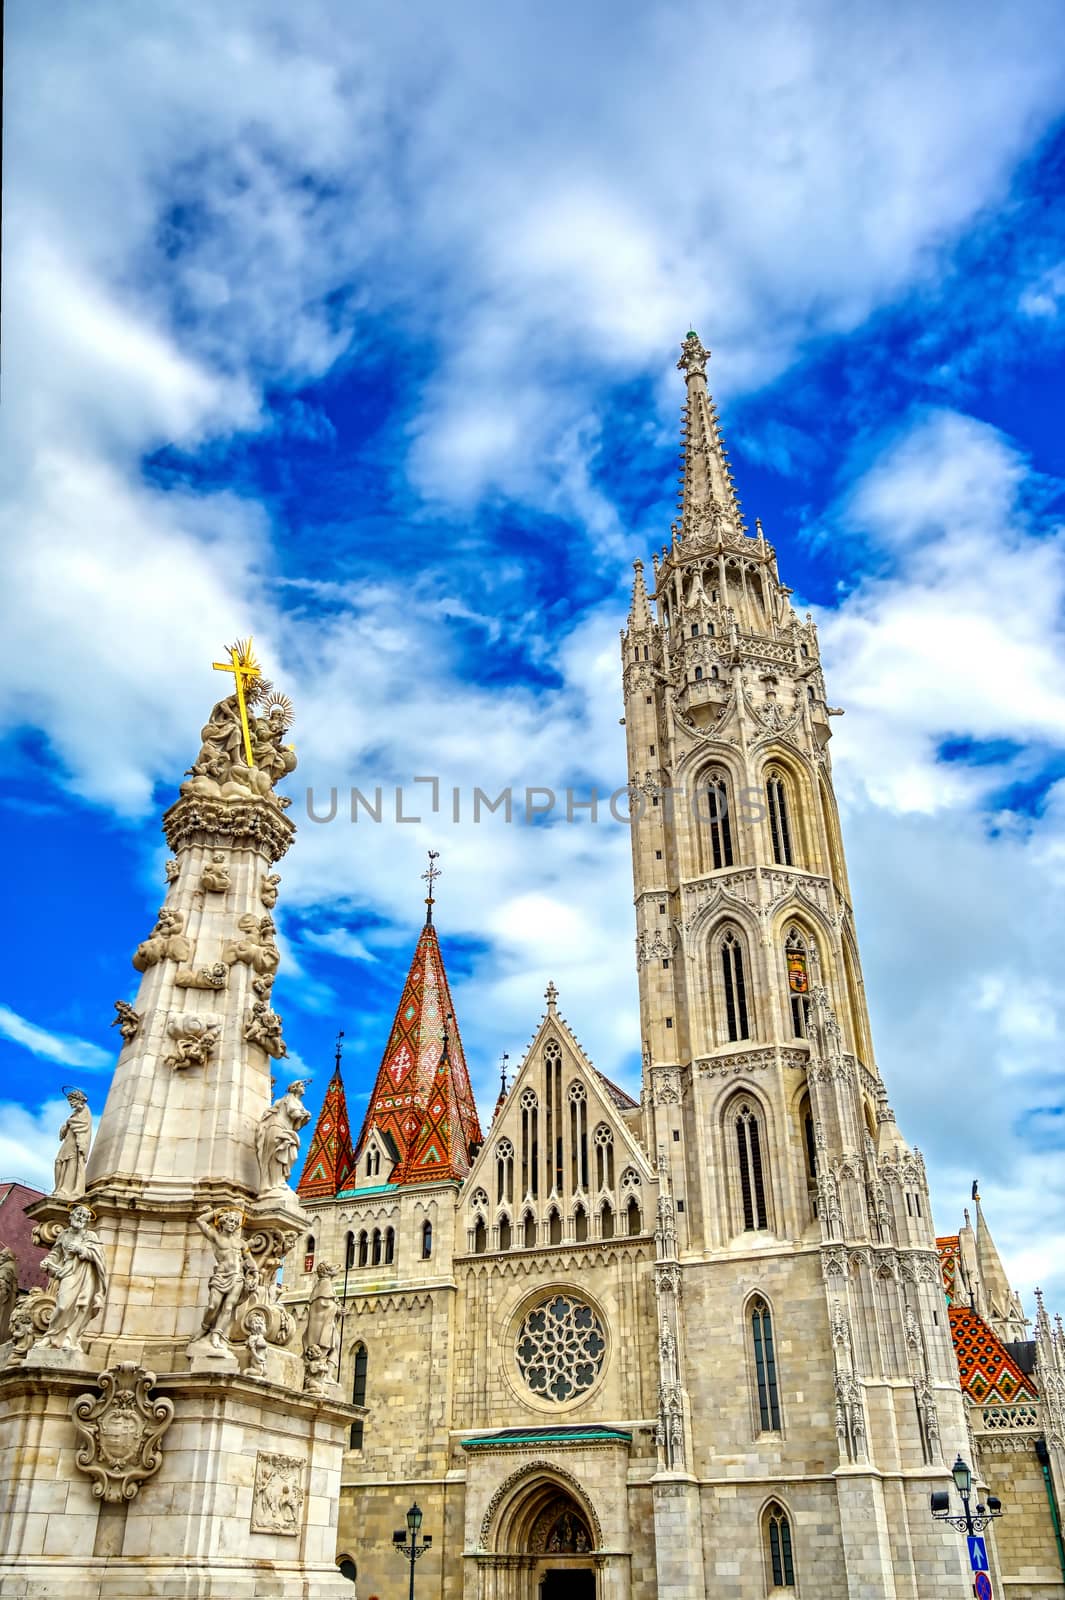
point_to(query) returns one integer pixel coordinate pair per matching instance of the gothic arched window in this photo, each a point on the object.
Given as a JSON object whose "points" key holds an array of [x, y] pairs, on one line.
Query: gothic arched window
{"points": [[776, 794], [737, 1021], [580, 1224], [364, 1248], [427, 1240], [554, 1227], [719, 822], [504, 1233], [606, 1222], [480, 1237], [358, 1393], [530, 1148], [390, 1246], [308, 1254], [752, 1178], [504, 1172], [530, 1231], [604, 1157], [349, 1252], [632, 1216], [778, 1546], [765, 1367], [795, 955], [375, 1255]]}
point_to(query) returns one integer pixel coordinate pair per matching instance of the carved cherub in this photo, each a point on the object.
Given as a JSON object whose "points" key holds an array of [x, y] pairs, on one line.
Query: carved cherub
{"points": [[128, 1021], [215, 877], [257, 1345], [268, 890], [173, 870], [194, 1040], [263, 1027], [167, 939], [256, 945]]}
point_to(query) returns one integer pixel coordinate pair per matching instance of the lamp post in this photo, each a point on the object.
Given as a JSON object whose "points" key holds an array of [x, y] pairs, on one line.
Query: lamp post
{"points": [[406, 1543], [970, 1522]]}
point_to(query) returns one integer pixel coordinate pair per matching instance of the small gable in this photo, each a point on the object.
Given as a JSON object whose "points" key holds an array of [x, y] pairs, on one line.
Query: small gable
{"points": [[560, 1165]]}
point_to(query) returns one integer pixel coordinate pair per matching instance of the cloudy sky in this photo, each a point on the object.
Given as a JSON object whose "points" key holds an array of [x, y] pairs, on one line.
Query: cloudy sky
{"points": [[354, 327]]}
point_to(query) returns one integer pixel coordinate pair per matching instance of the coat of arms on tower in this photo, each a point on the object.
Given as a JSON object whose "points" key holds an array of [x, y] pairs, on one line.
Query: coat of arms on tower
{"points": [[798, 982], [120, 1432]]}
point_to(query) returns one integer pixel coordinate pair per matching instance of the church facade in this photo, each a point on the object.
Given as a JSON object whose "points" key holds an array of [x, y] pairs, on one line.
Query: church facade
{"points": [[700, 1344]]}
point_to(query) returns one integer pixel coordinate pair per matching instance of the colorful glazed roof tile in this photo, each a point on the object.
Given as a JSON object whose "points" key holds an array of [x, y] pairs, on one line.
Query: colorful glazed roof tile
{"points": [[422, 1096], [948, 1262], [989, 1375], [330, 1160]]}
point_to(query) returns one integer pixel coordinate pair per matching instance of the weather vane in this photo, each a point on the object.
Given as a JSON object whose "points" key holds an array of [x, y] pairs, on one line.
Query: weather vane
{"points": [[503, 1072], [430, 878], [340, 1049], [245, 669]]}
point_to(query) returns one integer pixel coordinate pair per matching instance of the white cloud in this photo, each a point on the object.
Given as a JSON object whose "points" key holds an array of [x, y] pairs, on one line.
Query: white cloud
{"points": [[29, 1141], [65, 1048]]}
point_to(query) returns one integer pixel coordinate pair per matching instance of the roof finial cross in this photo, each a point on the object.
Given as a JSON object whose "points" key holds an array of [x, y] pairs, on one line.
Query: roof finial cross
{"points": [[339, 1049], [551, 996], [430, 878]]}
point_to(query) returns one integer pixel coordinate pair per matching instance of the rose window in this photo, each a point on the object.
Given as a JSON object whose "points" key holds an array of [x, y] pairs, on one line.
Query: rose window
{"points": [[560, 1349]]}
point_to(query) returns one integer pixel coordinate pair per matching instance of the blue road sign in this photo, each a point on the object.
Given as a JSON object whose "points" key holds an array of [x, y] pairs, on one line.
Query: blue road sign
{"points": [[978, 1554], [982, 1587]]}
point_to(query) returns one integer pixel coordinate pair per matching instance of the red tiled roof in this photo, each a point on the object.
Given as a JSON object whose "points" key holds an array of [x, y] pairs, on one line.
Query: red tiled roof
{"points": [[16, 1231], [330, 1160], [989, 1375]]}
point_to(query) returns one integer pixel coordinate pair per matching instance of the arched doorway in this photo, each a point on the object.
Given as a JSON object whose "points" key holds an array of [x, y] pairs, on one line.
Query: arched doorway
{"points": [[545, 1538]]}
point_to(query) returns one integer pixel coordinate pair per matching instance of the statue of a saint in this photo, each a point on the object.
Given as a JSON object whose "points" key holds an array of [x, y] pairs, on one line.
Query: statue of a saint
{"points": [[8, 1290], [223, 1231], [321, 1331], [74, 1138], [76, 1262], [277, 1137]]}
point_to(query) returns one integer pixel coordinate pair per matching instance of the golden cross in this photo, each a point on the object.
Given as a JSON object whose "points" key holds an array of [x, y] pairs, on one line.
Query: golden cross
{"points": [[243, 665]]}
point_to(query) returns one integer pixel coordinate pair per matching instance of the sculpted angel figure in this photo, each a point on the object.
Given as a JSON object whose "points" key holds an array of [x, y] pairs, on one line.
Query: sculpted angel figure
{"points": [[215, 877], [167, 938], [277, 1137], [255, 946], [223, 1231], [257, 1345], [74, 1138], [76, 1263]]}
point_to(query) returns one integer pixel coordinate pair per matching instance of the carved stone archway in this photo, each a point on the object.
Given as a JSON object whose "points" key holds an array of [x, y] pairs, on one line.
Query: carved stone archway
{"points": [[541, 1537]]}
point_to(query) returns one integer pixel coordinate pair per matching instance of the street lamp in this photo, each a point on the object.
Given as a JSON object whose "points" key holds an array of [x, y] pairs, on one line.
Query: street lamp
{"points": [[406, 1543], [969, 1522]]}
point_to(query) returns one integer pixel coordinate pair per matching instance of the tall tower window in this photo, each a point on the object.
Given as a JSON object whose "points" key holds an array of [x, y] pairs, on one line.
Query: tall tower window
{"points": [[719, 822], [778, 1546], [736, 1017], [504, 1172], [795, 955], [752, 1177], [776, 794], [427, 1240], [765, 1367], [358, 1393]]}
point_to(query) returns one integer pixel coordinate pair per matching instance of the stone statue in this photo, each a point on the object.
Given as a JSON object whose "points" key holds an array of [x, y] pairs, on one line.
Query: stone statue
{"points": [[21, 1332], [316, 1370], [268, 889], [223, 1231], [8, 1290], [173, 870], [74, 1138], [76, 1262], [256, 946], [321, 1331], [257, 1345], [166, 940], [127, 1021], [194, 1039], [215, 877], [277, 1137], [221, 767], [263, 1027]]}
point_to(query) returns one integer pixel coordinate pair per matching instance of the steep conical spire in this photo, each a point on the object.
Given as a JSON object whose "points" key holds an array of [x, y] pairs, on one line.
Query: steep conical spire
{"points": [[1004, 1309], [708, 494], [424, 1067], [640, 616], [330, 1159]]}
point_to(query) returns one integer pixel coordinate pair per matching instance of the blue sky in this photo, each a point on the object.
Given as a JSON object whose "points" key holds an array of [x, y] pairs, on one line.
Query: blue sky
{"points": [[355, 329]]}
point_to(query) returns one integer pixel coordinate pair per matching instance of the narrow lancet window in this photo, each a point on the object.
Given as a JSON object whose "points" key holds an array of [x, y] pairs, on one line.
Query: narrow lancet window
{"points": [[736, 1017], [778, 1543], [765, 1367], [776, 795], [752, 1177], [719, 821]]}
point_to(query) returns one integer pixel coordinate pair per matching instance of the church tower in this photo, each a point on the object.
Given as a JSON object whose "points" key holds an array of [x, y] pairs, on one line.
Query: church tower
{"points": [[806, 1251]]}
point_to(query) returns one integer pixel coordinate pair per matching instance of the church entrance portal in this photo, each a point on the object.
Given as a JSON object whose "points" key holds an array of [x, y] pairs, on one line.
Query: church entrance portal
{"points": [[545, 1545]]}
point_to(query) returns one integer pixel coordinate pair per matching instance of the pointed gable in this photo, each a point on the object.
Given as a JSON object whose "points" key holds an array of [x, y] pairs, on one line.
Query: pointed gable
{"points": [[330, 1158], [422, 1097], [561, 1164]]}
